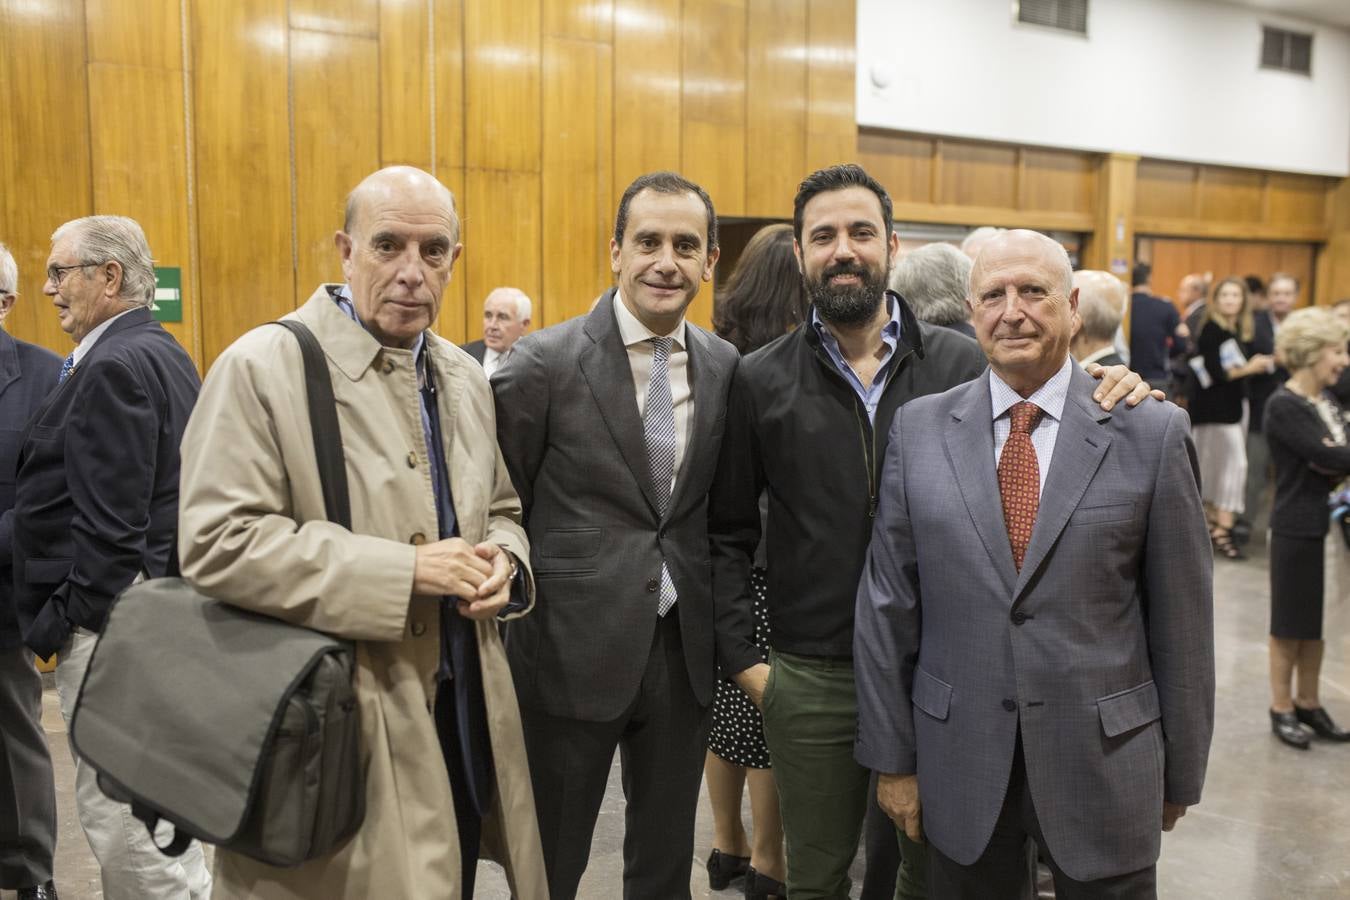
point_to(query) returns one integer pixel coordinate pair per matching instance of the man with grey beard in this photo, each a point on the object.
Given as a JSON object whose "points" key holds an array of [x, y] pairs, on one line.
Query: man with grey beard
{"points": [[807, 421]]}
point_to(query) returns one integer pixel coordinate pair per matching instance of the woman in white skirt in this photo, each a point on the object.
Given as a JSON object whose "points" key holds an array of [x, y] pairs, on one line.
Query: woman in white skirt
{"points": [[1219, 407]]}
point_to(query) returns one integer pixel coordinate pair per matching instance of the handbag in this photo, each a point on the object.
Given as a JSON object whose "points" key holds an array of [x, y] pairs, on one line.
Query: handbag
{"points": [[237, 728]]}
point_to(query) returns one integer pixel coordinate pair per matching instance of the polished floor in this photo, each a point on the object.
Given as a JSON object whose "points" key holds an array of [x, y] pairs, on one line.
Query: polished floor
{"points": [[1274, 823]]}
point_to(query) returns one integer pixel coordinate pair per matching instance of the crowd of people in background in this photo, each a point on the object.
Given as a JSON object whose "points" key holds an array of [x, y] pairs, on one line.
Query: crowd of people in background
{"points": [[818, 554]]}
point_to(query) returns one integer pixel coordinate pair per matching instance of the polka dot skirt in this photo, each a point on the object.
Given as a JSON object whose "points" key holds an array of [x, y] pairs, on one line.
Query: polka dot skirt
{"points": [[737, 731]]}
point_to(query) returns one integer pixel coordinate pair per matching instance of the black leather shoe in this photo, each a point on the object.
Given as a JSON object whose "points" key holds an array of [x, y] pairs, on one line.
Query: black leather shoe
{"points": [[762, 887], [41, 892], [1286, 728], [1321, 724], [723, 867]]}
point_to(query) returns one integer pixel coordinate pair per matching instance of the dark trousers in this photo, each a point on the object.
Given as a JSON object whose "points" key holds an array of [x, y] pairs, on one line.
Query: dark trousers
{"points": [[27, 791], [1002, 873], [661, 739], [881, 843], [467, 819]]}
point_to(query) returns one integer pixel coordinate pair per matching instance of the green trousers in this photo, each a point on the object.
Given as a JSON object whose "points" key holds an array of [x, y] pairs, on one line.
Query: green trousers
{"points": [[810, 721]]}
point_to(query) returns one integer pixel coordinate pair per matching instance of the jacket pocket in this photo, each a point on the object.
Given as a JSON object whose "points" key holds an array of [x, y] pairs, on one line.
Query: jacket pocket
{"points": [[1129, 709], [931, 694], [570, 543], [46, 571], [1099, 515]]}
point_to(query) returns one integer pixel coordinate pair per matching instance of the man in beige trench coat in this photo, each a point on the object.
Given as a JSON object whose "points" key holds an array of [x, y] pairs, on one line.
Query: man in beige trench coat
{"points": [[413, 410]]}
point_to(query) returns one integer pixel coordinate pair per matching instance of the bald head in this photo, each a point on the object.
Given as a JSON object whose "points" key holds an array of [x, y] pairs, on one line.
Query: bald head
{"points": [[1022, 243], [394, 185]]}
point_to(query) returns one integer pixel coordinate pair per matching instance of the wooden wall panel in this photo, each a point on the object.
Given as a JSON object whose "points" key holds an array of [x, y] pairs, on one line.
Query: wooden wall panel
{"points": [[141, 172], [358, 18], [1333, 260], [585, 20], [831, 119], [1230, 195], [776, 106], [1174, 258], [44, 147], [502, 235], [714, 101], [145, 33], [448, 84], [978, 175], [456, 313], [334, 80], [1057, 180], [244, 231], [902, 163], [1296, 199], [1166, 189], [405, 83], [577, 179], [647, 96], [502, 64]]}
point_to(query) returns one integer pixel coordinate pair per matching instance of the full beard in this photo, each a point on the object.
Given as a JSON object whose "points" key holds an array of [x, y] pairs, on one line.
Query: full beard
{"points": [[848, 305]]}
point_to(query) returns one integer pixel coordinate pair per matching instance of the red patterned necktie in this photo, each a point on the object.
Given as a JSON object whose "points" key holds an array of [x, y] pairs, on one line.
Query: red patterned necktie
{"points": [[1019, 479]]}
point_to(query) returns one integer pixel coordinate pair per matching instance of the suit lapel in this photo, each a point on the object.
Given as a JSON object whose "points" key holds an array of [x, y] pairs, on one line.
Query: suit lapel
{"points": [[705, 375], [9, 362], [605, 367], [1079, 448], [969, 441]]}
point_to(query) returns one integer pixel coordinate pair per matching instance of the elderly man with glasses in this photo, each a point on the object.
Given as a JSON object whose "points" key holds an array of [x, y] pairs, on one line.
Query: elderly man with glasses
{"points": [[27, 792], [96, 502]]}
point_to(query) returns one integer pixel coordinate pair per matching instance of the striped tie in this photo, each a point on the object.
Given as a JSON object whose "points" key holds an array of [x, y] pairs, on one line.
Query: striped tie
{"points": [[658, 427], [67, 366]]}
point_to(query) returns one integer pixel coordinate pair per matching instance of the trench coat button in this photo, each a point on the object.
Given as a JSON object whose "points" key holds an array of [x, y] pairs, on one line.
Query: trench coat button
{"points": [[418, 629], [1019, 617], [418, 539], [412, 459], [387, 366], [653, 586], [1010, 704]]}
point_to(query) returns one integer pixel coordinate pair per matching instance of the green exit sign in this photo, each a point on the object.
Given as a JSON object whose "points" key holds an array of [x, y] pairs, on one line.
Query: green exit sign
{"points": [[168, 305]]}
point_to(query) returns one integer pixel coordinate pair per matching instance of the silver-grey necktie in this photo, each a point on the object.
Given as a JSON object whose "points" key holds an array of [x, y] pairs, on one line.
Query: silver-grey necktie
{"points": [[658, 427]]}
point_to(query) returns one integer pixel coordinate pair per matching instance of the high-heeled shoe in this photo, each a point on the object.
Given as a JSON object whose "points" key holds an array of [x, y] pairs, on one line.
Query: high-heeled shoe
{"points": [[1321, 724], [723, 868], [761, 887], [1287, 728]]}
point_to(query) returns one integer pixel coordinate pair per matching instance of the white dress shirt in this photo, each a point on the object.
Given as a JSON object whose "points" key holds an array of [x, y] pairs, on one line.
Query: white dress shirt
{"points": [[83, 347], [1049, 397], [492, 360], [635, 337]]}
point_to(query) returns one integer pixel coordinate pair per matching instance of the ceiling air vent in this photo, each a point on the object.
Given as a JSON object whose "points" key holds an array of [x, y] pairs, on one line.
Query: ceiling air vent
{"points": [[1288, 51], [1062, 15]]}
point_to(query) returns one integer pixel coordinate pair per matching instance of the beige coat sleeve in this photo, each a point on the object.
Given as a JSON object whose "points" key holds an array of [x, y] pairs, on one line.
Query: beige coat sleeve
{"points": [[252, 530]]}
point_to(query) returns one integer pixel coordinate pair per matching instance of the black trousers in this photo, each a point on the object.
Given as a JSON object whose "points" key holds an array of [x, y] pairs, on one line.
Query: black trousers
{"points": [[27, 790], [1002, 873], [661, 738], [467, 819]]}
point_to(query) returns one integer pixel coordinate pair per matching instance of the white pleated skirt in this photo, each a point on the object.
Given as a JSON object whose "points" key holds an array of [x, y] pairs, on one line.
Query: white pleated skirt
{"points": [[1222, 452]]}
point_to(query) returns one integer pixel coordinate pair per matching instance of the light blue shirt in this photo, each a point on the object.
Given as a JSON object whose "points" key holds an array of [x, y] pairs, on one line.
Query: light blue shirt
{"points": [[1049, 397], [890, 338]]}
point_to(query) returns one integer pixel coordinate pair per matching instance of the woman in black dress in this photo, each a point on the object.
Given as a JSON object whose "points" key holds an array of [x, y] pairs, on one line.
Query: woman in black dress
{"points": [[1307, 430], [764, 299]]}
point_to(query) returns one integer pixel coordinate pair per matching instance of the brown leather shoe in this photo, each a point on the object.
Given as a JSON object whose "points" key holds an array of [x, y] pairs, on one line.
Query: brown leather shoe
{"points": [[40, 892]]}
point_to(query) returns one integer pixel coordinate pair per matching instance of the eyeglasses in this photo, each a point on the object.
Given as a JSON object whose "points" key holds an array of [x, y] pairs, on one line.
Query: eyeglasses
{"points": [[57, 274]]}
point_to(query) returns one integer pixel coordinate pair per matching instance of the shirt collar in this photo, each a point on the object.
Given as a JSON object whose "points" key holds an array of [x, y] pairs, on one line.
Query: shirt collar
{"points": [[634, 332], [890, 332], [343, 297], [1049, 397], [1096, 355], [84, 346]]}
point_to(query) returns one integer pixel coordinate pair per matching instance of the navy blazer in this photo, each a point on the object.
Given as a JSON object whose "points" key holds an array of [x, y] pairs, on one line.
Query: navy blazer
{"points": [[27, 374], [96, 500]]}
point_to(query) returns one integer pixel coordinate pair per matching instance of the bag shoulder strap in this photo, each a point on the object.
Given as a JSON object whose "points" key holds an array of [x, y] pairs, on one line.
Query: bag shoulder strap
{"points": [[323, 422]]}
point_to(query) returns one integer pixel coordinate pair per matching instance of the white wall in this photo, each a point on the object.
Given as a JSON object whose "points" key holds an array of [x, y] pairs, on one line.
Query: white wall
{"points": [[1176, 79]]}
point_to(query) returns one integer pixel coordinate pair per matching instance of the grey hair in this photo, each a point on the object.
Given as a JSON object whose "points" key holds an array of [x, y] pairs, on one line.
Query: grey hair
{"points": [[1305, 334], [1101, 303], [933, 279], [971, 245], [103, 239], [524, 308], [9, 272]]}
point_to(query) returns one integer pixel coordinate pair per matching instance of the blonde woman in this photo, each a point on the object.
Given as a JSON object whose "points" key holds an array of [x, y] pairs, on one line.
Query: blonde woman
{"points": [[1219, 407], [1307, 429]]}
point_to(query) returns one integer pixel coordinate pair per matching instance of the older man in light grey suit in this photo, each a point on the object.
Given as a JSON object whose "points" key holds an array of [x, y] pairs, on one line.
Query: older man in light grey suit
{"points": [[1034, 639]]}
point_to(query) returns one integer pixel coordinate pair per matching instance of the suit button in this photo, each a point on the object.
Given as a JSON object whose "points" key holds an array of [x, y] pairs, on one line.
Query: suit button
{"points": [[418, 539], [1010, 704], [1019, 617], [418, 629], [653, 586], [412, 459]]}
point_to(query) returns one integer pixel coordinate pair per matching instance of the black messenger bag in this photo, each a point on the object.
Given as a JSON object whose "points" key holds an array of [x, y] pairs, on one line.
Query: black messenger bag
{"points": [[239, 729]]}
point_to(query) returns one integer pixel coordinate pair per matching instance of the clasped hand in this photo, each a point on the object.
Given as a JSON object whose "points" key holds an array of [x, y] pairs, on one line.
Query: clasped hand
{"points": [[476, 575]]}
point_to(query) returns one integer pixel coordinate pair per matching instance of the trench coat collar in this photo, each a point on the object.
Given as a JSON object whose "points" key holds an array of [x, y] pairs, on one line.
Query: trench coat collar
{"points": [[351, 348]]}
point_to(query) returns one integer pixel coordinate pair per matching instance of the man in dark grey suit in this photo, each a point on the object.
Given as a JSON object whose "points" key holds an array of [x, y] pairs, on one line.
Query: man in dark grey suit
{"points": [[610, 424], [1042, 667]]}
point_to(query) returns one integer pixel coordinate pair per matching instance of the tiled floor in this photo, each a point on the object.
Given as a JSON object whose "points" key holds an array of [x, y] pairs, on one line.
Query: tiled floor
{"points": [[1274, 824]]}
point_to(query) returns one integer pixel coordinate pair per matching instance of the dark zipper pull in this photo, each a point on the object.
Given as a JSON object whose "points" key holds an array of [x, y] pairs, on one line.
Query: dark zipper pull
{"points": [[872, 507]]}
